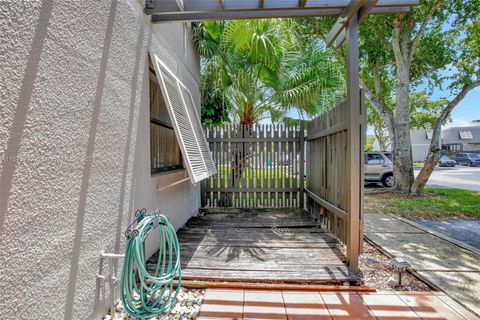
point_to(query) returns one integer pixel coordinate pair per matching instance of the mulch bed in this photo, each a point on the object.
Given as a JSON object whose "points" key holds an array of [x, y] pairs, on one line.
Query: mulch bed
{"points": [[379, 273], [388, 193]]}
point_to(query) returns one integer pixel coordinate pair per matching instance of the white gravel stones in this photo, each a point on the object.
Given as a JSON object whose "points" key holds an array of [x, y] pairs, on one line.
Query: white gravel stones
{"points": [[186, 307]]}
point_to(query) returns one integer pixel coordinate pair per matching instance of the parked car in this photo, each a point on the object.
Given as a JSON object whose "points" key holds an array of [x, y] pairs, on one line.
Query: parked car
{"points": [[446, 162], [379, 168], [468, 159]]}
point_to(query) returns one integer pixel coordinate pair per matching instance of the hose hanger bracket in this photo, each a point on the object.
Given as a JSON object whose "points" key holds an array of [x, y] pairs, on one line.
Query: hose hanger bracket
{"points": [[140, 214]]}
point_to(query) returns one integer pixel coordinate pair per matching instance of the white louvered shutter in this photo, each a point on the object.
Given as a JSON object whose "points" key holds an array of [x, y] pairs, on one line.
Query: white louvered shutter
{"points": [[186, 124]]}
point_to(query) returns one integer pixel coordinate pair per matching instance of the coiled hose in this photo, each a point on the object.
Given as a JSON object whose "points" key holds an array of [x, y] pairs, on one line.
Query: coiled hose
{"points": [[146, 295]]}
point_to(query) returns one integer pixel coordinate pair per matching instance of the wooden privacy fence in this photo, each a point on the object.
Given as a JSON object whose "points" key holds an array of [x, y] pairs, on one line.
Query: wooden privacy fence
{"points": [[334, 167], [257, 166]]}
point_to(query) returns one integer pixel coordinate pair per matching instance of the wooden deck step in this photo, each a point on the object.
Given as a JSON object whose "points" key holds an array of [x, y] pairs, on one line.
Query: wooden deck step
{"points": [[331, 275], [273, 286]]}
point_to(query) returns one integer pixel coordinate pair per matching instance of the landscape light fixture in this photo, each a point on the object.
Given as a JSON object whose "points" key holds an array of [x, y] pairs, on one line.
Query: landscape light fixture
{"points": [[400, 265]]}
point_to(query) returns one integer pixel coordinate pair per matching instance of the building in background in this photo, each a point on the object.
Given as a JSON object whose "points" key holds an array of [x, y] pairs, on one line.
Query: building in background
{"points": [[464, 138]]}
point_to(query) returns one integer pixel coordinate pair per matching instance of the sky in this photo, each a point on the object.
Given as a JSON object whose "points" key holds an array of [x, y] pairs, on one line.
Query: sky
{"points": [[467, 110]]}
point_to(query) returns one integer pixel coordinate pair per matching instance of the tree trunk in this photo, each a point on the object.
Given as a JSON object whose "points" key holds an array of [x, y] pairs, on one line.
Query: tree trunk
{"points": [[432, 159], [380, 138], [435, 146], [241, 154], [401, 144], [386, 114]]}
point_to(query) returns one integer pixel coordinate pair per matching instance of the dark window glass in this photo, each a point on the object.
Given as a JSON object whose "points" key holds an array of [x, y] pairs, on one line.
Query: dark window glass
{"points": [[165, 153], [375, 158]]}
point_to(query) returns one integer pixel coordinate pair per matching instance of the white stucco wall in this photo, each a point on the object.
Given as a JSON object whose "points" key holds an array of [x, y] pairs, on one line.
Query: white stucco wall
{"points": [[74, 146]]}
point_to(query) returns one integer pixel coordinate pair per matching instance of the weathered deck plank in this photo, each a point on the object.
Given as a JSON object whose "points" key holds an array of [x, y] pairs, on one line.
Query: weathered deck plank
{"points": [[278, 245], [294, 218]]}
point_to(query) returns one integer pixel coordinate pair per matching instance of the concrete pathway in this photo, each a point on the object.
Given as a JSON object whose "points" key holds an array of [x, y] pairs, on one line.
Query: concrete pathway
{"points": [[467, 231], [445, 263], [251, 304]]}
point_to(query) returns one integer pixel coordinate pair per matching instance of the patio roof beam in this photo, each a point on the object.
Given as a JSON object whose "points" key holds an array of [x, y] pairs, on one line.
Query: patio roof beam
{"points": [[232, 15], [363, 11], [171, 6], [187, 16], [343, 20]]}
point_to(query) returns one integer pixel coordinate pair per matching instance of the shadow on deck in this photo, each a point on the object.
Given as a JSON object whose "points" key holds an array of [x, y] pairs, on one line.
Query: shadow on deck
{"points": [[260, 245]]}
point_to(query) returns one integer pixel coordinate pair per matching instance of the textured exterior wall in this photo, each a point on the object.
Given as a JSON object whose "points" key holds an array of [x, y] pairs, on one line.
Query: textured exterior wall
{"points": [[74, 146]]}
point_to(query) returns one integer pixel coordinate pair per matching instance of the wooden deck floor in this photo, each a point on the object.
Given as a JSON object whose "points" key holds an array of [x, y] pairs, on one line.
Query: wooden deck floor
{"points": [[281, 245]]}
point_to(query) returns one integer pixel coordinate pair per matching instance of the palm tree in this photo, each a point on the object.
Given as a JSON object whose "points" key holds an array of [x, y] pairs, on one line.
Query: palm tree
{"points": [[253, 69], [262, 68]]}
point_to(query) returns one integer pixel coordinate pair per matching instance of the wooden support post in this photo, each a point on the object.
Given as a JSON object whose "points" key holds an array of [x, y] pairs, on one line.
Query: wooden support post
{"points": [[363, 141], [301, 158], [353, 145], [203, 194]]}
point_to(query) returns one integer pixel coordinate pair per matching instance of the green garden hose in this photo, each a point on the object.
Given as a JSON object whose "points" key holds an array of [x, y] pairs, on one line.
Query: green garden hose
{"points": [[146, 295]]}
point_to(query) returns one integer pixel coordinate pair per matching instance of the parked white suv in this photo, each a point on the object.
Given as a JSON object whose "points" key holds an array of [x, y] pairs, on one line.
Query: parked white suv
{"points": [[379, 168]]}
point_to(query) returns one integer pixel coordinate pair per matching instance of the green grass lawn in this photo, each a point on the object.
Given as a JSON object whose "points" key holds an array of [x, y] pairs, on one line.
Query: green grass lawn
{"points": [[276, 177], [418, 164], [438, 203]]}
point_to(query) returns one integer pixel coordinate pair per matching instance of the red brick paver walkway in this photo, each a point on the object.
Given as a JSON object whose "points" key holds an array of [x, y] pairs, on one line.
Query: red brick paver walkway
{"points": [[254, 304]]}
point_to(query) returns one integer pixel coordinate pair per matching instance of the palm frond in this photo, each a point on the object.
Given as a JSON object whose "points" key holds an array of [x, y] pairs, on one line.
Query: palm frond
{"points": [[265, 68]]}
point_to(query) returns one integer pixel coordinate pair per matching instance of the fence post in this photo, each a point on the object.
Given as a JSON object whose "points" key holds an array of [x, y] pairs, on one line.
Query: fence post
{"points": [[203, 196], [363, 140], [302, 166], [353, 145]]}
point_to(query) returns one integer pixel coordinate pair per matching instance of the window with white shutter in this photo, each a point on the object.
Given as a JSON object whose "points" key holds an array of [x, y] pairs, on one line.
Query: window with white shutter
{"points": [[186, 123], [165, 154]]}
